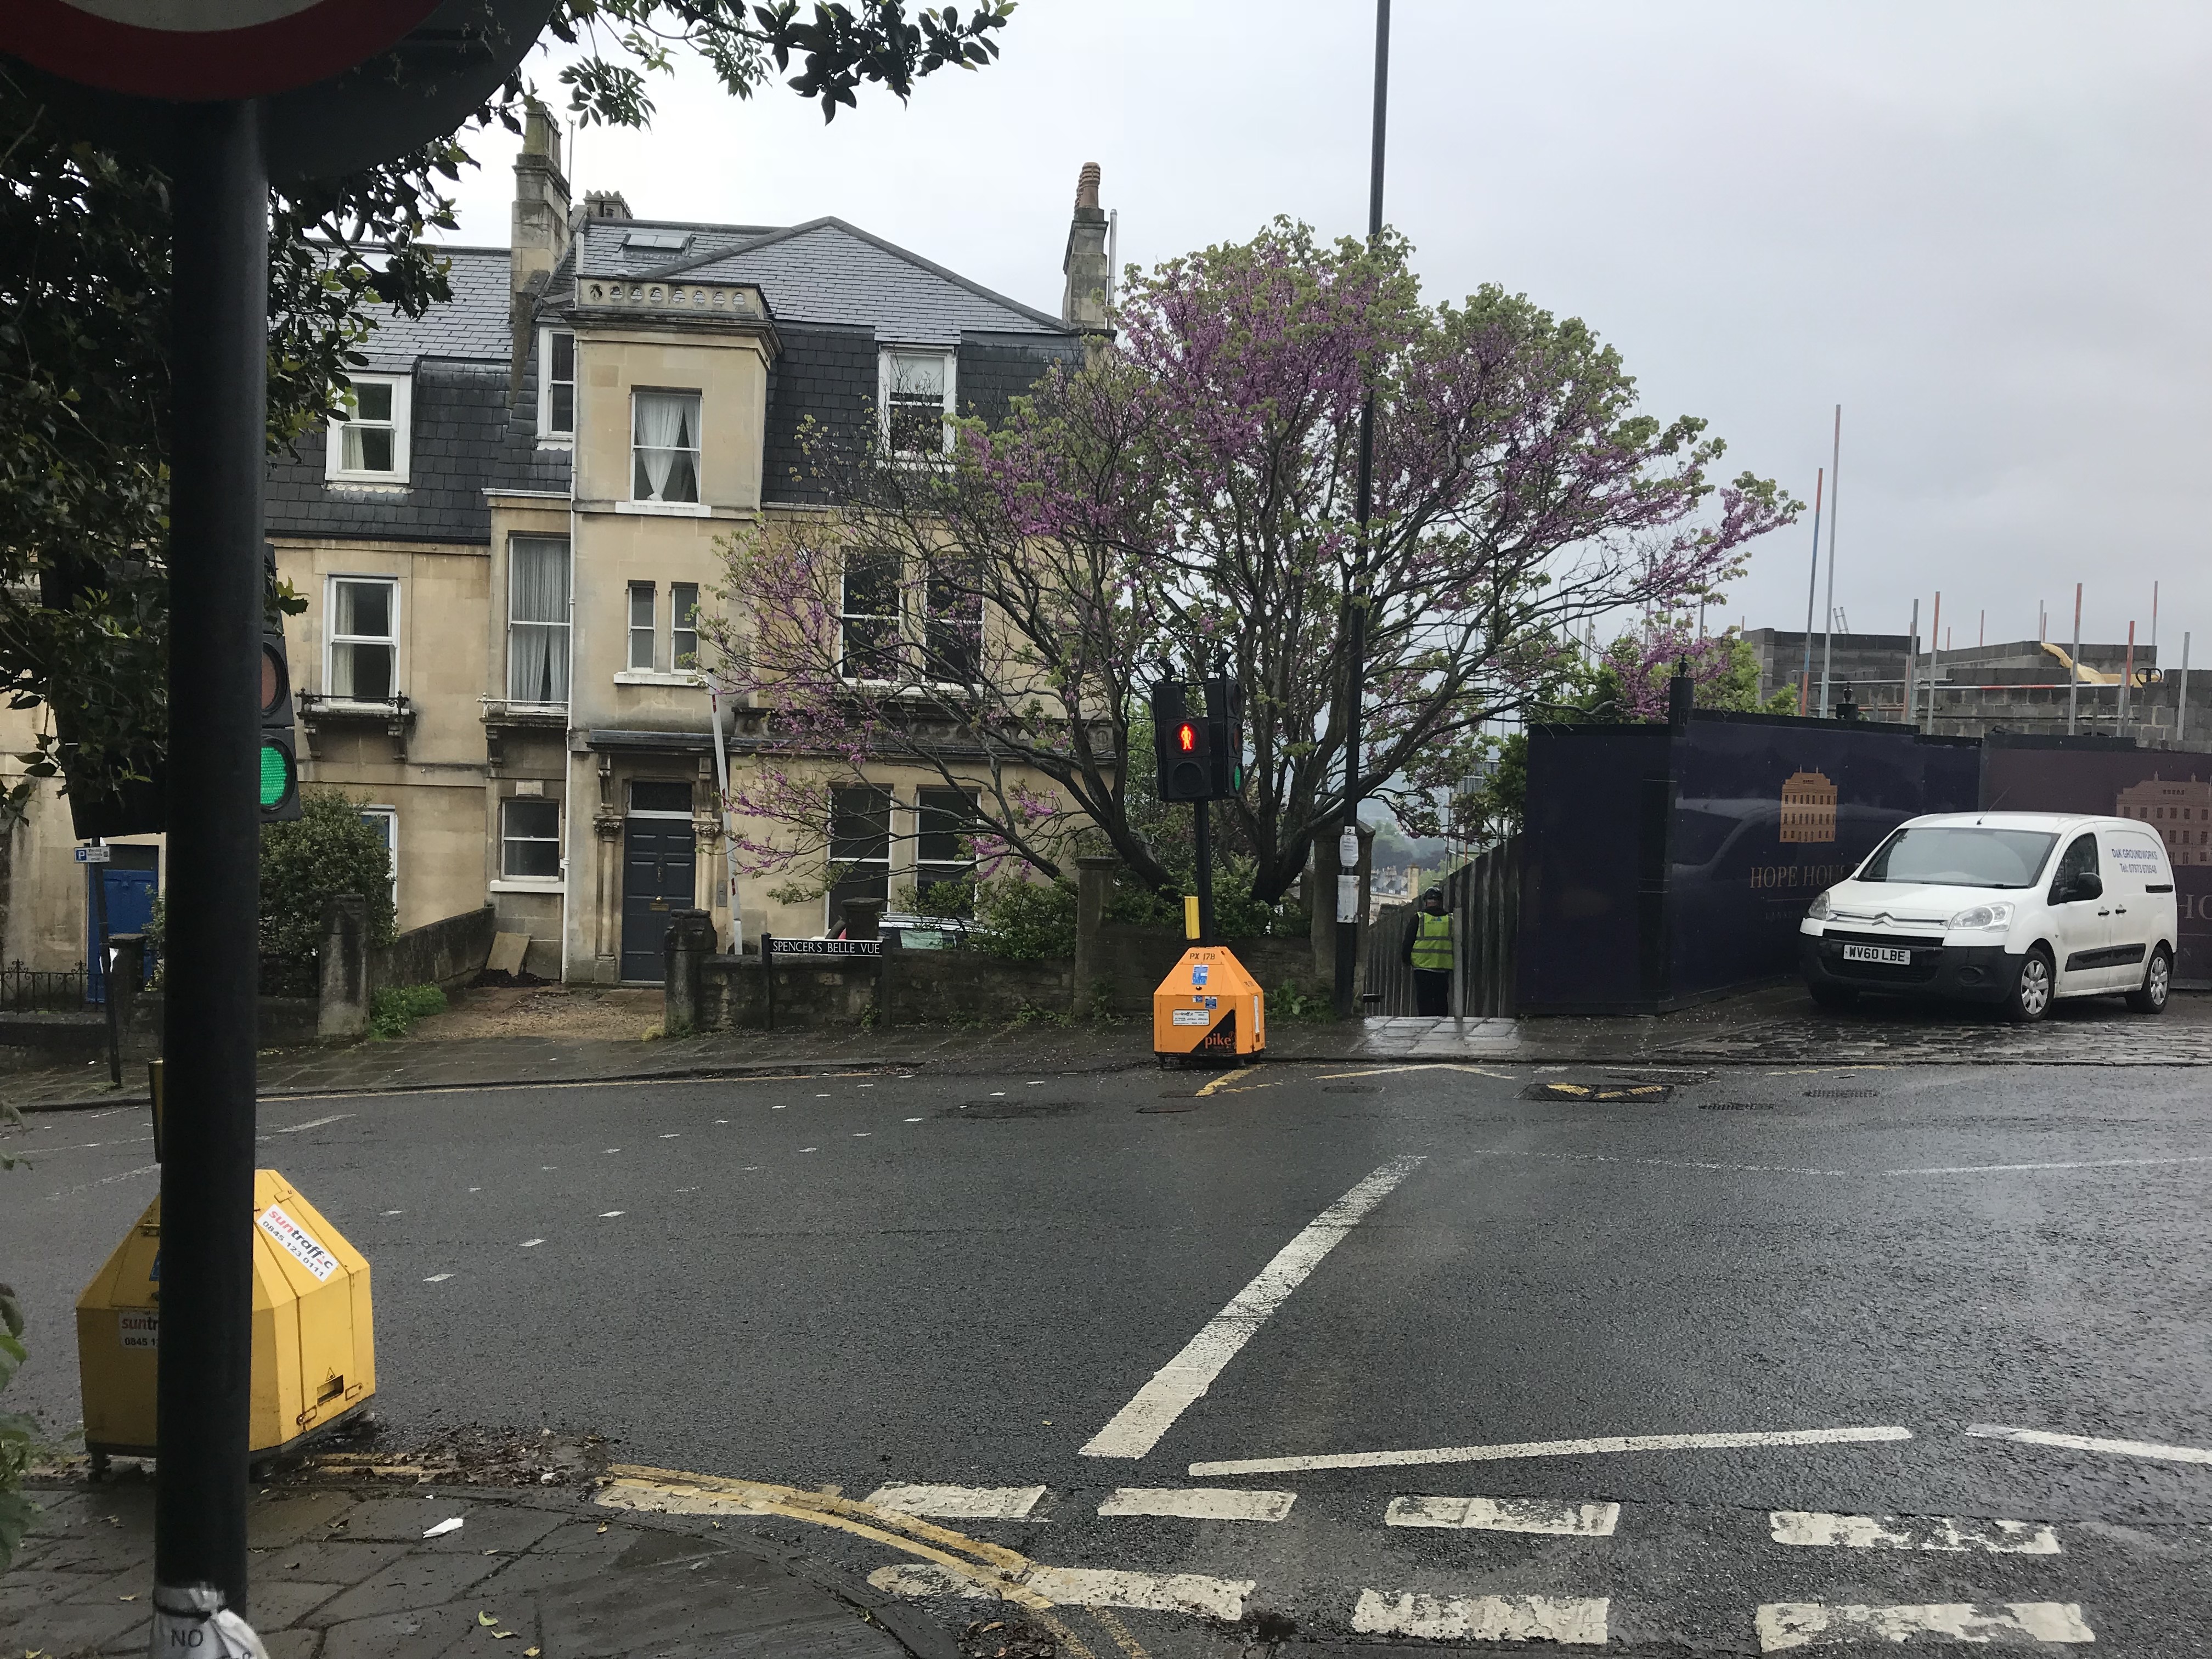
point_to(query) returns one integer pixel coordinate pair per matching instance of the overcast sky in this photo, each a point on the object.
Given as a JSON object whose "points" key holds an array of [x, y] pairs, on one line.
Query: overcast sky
{"points": [[1980, 227]]}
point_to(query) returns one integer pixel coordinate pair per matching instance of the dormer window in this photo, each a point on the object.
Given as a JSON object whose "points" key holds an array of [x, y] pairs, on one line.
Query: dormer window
{"points": [[915, 389], [557, 397], [369, 436]]}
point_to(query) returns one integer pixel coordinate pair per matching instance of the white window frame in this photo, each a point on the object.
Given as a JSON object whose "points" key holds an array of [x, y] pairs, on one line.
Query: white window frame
{"points": [[886, 357], [895, 617], [403, 401], [678, 630], [549, 434], [390, 818], [333, 639], [635, 503], [561, 863]]}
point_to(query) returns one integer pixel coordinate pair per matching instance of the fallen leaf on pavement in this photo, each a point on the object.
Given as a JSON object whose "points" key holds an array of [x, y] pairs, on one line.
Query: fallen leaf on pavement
{"points": [[487, 1617]]}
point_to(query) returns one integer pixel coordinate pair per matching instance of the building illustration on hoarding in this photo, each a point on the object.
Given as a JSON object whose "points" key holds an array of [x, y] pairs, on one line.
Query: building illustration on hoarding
{"points": [[1808, 808], [2181, 812]]}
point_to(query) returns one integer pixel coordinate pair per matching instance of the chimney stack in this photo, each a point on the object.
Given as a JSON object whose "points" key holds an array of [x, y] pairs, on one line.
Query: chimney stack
{"points": [[1082, 302], [539, 238], [605, 205]]}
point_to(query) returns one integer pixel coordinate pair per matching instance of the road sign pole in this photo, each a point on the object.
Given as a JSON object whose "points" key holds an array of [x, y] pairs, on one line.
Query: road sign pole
{"points": [[98, 872], [219, 370]]}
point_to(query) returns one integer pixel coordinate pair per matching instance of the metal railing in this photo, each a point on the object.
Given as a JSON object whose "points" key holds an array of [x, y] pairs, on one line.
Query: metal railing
{"points": [[1484, 898], [42, 990]]}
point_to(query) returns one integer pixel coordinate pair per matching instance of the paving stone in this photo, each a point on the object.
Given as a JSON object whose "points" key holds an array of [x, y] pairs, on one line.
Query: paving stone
{"points": [[285, 1604], [485, 1526], [420, 1634], [333, 1561], [285, 1519], [63, 1628], [719, 1607], [415, 1580]]}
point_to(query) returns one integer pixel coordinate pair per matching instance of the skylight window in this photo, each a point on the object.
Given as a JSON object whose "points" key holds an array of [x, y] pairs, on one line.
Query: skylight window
{"points": [[656, 241]]}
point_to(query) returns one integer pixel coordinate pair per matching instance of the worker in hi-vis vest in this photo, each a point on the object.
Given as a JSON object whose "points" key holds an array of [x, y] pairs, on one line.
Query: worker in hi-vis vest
{"points": [[1429, 952]]}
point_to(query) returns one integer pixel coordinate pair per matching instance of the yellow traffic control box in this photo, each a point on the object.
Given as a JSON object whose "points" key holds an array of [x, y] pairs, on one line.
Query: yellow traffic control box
{"points": [[1209, 1009], [315, 1350]]}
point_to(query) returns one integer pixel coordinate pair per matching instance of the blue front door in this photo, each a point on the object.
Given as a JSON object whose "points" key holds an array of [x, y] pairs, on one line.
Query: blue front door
{"points": [[131, 882]]}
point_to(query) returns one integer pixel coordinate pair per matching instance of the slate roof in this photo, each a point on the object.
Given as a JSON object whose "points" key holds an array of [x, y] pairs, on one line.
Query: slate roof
{"points": [[472, 325], [826, 272]]}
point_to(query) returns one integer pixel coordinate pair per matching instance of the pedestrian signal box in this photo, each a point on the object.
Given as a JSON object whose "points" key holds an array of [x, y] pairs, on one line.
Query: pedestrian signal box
{"points": [[1209, 1010], [1198, 755], [315, 1350]]}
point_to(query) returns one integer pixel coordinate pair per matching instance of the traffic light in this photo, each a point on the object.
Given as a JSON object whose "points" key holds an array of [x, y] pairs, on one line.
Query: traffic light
{"points": [[1184, 747], [1200, 756], [1225, 715], [280, 765]]}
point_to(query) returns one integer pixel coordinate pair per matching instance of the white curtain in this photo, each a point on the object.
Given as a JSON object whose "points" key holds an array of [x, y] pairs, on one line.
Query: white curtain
{"points": [[538, 635], [666, 434]]}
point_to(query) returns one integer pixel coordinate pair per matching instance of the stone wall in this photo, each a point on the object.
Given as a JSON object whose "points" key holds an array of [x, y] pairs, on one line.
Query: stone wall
{"points": [[445, 953]]}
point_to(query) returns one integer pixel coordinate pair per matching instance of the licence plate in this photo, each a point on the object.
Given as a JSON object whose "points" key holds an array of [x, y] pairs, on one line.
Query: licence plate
{"points": [[1891, 954]]}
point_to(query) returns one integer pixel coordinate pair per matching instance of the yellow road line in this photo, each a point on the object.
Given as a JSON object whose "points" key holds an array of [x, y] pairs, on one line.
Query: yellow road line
{"points": [[1227, 1078], [1068, 1639], [1120, 1631]]}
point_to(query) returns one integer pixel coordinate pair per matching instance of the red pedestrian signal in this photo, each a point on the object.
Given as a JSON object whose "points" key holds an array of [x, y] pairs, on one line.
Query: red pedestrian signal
{"points": [[1187, 737]]}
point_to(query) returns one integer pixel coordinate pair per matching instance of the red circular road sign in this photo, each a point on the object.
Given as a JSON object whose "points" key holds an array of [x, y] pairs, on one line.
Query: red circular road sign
{"points": [[192, 50]]}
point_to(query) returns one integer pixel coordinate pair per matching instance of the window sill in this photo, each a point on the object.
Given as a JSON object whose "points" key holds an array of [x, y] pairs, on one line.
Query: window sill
{"points": [[555, 884], [384, 483], [667, 509], [557, 440], [655, 677]]}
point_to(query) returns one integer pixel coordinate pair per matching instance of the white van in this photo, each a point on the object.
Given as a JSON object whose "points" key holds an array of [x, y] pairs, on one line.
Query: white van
{"points": [[2017, 908]]}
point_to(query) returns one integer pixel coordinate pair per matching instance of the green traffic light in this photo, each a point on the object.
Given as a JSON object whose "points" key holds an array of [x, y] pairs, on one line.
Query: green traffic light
{"points": [[275, 776]]}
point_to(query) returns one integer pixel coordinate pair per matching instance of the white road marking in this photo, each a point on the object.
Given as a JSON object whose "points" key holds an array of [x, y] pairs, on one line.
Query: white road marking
{"points": [[437, 1278], [2091, 1443], [609, 1215], [1617, 1443], [1783, 1624], [959, 1503], [1544, 1514], [914, 1119], [312, 1123], [810, 1149], [1084, 1587], [1571, 1619], [391, 1212], [2084, 1163], [1138, 1426], [1911, 1532], [862, 1134], [610, 1149], [1200, 1503], [673, 1134], [530, 1243], [1432, 1066]]}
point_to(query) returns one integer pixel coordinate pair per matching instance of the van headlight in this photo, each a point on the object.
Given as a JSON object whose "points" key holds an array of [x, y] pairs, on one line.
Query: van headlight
{"points": [[1820, 910], [1982, 915]]}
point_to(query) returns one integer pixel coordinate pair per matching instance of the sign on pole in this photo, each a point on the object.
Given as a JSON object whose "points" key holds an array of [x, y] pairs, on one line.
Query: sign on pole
{"points": [[193, 50], [93, 854]]}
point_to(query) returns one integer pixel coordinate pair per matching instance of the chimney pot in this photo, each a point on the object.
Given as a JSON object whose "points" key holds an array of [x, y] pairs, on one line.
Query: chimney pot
{"points": [[1086, 185], [605, 205]]}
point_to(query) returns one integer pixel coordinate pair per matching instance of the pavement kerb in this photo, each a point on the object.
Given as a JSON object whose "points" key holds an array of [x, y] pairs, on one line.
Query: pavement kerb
{"points": [[904, 1623], [1689, 1060]]}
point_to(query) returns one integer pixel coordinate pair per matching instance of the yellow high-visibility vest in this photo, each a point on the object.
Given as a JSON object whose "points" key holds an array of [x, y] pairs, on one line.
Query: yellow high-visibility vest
{"points": [[1432, 945]]}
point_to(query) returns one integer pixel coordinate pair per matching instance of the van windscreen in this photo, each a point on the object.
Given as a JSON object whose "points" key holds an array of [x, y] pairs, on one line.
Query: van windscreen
{"points": [[1960, 856]]}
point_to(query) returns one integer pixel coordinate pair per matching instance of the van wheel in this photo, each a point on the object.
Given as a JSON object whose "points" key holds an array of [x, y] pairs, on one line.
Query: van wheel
{"points": [[2158, 982], [2029, 999], [1833, 996]]}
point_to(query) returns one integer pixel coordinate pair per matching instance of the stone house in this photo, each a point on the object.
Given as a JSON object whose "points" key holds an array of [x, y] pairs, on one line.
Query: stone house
{"points": [[503, 547]]}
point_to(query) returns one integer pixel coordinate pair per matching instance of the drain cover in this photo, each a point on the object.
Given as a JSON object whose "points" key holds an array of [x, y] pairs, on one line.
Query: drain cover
{"points": [[1599, 1093], [1736, 1106], [1352, 1089], [995, 1111], [1186, 1105], [1843, 1094]]}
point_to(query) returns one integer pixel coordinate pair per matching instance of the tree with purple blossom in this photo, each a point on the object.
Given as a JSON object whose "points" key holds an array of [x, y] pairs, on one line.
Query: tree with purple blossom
{"points": [[1184, 499]]}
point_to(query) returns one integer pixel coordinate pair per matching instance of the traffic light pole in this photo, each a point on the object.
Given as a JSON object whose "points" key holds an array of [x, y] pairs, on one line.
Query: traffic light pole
{"points": [[1202, 816], [219, 368]]}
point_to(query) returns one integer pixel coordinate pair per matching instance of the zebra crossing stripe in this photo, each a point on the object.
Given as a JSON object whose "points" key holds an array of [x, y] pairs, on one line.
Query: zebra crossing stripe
{"points": [[1541, 1515], [1200, 1503], [1913, 1532], [1081, 1586], [959, 1503], [1578, 1619], [1785, 1624]]}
